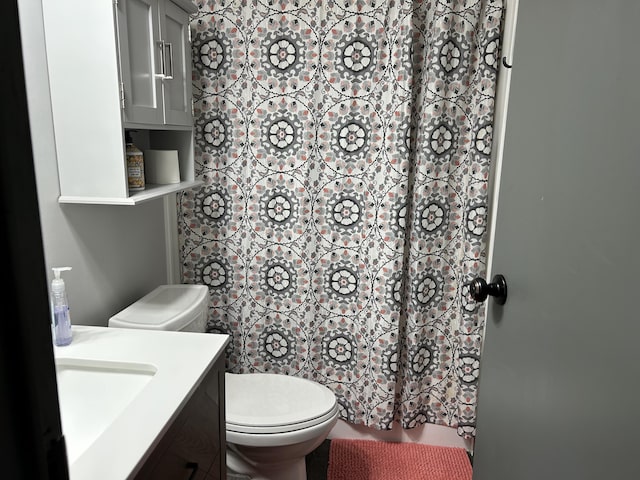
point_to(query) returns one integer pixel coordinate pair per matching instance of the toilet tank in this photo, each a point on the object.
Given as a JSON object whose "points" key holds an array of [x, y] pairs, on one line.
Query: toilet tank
{"points": [[168, 307]]}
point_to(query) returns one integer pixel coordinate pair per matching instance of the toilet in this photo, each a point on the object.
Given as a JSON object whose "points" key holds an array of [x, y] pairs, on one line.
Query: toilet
{"points": [[272, 421]]}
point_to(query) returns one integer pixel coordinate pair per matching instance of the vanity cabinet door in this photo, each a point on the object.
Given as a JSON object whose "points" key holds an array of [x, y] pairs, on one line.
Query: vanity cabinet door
{"points": [[194, 445]]}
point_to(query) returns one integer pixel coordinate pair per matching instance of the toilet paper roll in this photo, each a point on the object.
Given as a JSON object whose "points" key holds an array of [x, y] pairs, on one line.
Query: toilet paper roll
{"points": [[161, 166]]}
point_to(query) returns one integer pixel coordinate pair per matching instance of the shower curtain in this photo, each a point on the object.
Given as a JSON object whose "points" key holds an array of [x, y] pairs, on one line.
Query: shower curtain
{"points": [[345, 150]]}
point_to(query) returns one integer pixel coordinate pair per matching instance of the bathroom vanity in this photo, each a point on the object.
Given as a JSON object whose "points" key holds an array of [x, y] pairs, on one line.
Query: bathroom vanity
{"points": [[141, 404]]}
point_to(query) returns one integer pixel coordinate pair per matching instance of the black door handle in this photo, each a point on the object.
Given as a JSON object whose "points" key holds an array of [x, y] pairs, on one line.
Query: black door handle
{"points": [[480, 289]]}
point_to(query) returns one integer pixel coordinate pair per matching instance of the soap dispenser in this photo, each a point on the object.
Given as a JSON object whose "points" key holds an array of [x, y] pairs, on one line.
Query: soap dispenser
{"points": [[61, 320]]}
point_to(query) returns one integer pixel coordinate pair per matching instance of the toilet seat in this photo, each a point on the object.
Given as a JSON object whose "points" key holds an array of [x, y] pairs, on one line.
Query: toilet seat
{"points": [[263, 403]]}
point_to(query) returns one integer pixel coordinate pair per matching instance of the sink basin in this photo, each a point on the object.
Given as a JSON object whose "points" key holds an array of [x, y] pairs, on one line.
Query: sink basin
{"points": [[92, 394]]}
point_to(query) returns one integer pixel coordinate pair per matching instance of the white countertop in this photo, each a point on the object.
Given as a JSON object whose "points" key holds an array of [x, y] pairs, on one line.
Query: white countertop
{"points": [[180, 360]]}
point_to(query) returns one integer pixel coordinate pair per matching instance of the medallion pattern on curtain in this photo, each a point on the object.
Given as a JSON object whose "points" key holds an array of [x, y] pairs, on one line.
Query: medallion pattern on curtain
{"points": [[345, 150]]}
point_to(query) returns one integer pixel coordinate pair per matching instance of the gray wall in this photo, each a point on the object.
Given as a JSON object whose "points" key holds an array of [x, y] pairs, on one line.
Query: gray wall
{"points": [[117, 252]]}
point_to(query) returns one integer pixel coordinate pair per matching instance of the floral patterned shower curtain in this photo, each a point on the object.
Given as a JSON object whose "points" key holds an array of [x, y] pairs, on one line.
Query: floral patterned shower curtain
{"points": [[345, 150]]}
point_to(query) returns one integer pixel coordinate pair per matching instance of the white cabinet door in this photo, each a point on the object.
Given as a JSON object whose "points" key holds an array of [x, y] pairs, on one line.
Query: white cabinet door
{"points": [[177, 55], [140, 61]]}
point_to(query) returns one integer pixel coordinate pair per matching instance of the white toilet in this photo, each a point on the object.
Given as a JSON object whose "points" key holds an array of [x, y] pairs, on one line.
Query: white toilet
{"points": [[272, 421]]}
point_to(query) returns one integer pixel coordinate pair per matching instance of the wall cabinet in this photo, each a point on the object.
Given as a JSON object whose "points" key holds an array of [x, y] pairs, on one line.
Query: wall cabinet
{"points": [[117, 65], [155, 59], [194, 445]]}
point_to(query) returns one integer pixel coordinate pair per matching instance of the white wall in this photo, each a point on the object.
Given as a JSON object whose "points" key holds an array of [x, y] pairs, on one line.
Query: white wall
{"points": [[117, 252]]}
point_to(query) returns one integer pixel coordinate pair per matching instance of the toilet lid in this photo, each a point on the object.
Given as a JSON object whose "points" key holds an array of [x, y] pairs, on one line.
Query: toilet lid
{"points": [[270, 403]]}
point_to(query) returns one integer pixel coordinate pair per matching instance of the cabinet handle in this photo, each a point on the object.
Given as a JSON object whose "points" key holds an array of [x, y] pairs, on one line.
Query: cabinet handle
{"points": [[168, 46], [163, 67], [194, 467]]}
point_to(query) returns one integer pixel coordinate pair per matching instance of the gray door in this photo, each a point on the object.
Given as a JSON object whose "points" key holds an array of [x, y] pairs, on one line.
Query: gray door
{"points": [[559, 392]]}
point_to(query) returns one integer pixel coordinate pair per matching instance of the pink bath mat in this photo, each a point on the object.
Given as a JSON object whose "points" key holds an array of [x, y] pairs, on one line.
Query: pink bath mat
{"points": [[373, 460]]}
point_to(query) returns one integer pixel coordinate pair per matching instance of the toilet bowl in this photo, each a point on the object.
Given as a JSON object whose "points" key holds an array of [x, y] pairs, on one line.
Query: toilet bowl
{"points": [[272, 421]]}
